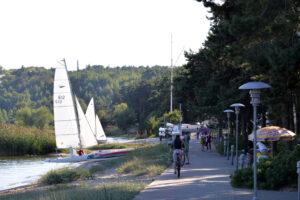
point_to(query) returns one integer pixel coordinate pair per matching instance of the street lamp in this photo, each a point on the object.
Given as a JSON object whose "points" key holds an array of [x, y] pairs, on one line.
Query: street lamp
{"points": [[254, 88], [237, 110], [228, 131]]}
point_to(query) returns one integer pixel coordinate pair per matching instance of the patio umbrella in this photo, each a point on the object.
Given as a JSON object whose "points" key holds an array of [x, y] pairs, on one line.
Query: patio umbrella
{"points": [[272, 133]]}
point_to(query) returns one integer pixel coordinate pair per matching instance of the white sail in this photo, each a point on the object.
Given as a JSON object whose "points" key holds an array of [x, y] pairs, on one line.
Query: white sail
{"points": [[90, 116], [95, 122], [65, 121], [87, 136], [100, 135]]}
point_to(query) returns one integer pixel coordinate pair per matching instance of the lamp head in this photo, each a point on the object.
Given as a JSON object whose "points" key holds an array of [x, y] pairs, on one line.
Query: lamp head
{"points": [[254, 86], [228, 111], [237, 107]]}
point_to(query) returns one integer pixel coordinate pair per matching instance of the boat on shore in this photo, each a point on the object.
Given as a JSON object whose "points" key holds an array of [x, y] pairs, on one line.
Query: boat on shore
{"points": [[92, 156], [75, 129]]}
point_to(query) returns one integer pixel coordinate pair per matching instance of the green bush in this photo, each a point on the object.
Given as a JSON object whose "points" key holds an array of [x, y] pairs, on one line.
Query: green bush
{"points": [[242, 178], [276, 173], [64, 176], [220, 148]]}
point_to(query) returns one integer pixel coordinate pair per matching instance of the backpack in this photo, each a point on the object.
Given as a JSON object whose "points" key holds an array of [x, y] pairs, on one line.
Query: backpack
{"points": [[177, 144], [205, 130]]}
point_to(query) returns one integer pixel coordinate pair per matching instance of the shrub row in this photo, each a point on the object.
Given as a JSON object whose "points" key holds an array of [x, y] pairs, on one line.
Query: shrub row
{"points": [[276, 173]]}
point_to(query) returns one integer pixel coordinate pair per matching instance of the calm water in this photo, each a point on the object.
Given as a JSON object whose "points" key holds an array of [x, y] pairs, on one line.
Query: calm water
{"points": [[112, 139], [20, 171]]}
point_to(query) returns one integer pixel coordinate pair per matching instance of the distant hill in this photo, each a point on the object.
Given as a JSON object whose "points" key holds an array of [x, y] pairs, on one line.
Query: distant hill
{"points": [[33, 86]]}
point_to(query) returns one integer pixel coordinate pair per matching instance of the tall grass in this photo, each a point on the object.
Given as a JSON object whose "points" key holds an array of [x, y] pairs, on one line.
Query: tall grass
{"points": [[17, 140], [107, 191]]}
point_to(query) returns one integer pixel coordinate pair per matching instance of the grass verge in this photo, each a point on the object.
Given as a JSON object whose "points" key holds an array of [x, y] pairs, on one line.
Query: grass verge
{"points": [[151, 160], [107, 191]]}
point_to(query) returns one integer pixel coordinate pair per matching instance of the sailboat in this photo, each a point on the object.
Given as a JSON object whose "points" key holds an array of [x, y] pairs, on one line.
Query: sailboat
{"points": [[73, 128], [94, 122]]}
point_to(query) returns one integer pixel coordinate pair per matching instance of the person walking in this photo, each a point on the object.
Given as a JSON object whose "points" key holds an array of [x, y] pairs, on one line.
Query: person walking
{"points": [[187, 137], [198, 133], [202, 141], [186, 150], [209, 142]]}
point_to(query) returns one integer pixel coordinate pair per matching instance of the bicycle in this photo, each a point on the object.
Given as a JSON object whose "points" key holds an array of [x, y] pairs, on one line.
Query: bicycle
{"points": [[179, 163]]}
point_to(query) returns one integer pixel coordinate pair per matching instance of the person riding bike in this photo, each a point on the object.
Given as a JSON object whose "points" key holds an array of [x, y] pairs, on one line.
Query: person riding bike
{"points": [[177, 147]]}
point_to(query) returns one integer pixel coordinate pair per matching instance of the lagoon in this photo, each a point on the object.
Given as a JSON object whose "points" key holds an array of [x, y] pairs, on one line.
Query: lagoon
{"points": [[16, 171]]}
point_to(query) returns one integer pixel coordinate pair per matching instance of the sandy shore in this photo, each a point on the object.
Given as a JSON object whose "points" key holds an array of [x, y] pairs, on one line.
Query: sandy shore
{"points": [[107, 176]]}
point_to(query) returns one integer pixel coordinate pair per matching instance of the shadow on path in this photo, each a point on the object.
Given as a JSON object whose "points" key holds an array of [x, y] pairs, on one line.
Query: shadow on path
{"points": [[207, 177]]}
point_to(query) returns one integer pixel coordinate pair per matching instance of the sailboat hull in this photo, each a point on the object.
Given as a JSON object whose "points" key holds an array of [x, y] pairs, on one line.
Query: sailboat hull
{"points": [[102, 141], [92, 156]]}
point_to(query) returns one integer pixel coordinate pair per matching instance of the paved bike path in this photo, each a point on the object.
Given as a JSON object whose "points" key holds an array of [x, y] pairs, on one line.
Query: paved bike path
{"points": [[207, 177]]}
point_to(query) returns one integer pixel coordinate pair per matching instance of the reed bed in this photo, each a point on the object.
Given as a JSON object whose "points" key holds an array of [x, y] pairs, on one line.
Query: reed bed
{"points": [[16, 140]]}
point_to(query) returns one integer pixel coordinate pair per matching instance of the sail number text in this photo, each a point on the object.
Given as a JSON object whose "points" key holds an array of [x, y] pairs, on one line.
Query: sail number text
{"points": [[60, 99]]}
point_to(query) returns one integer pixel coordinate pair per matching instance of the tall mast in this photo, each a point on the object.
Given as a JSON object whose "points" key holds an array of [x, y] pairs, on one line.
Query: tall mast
{"points": [[171, 94], [76, 112]]}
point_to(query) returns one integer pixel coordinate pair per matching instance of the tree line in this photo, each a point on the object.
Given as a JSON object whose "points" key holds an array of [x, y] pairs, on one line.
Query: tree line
{"points": [[248, 41], [124, 96]]}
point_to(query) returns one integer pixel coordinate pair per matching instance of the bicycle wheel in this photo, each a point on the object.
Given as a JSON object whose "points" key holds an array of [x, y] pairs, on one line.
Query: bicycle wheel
{"points": [[178, 166]]}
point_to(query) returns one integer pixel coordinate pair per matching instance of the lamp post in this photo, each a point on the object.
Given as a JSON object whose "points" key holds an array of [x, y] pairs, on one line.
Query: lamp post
{"points": [[180, 128], [228, 131], [237, 110], [254, 88]]}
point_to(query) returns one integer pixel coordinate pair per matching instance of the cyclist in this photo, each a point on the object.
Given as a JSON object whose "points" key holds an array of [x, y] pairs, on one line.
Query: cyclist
{"points": [[177, 146]]}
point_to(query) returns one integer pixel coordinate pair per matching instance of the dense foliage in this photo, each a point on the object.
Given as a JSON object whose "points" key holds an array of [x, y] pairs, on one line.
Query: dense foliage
{"points": [[26, 94], [248, 41], [276, 173]]}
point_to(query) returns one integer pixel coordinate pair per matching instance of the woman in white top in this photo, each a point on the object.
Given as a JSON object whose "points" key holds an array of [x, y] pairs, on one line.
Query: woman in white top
{"points": [[262, 148]]}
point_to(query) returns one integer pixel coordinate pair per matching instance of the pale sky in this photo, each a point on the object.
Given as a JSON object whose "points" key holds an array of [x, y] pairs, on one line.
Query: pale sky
{"points": [[99, 32]]}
